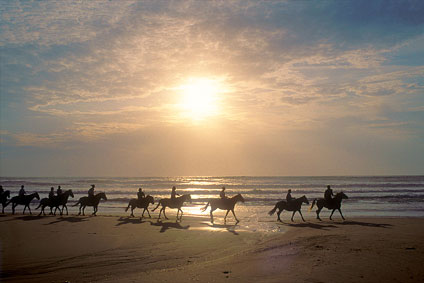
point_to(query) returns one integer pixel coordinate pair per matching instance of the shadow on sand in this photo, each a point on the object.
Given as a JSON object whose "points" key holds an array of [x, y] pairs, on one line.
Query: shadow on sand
{"points": [[365, 224], [129, 220], [167, 225], [309, 225], [229, 228], [25, 218], [70, 219]]}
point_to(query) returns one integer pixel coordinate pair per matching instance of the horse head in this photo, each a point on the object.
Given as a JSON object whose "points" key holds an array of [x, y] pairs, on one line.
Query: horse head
{"points": [[343, 195], [6, 194], [102, 196], [71, 193], [36, 196], [239, 197], [150, 199], [188, 197], [304, 199]]}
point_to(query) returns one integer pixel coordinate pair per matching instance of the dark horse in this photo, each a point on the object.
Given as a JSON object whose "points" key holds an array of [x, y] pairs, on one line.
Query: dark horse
{"points": [[142, 203], [3, 199], [293, 205], [176, 203], [56, 202], [224, 204], [336, 203], [85, 201], [23, 200]]}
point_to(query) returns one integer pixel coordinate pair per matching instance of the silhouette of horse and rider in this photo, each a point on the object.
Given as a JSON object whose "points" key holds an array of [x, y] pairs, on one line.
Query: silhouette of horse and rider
{"points": [[141, 201], [329, 202], [22, 199], [61, 199], [91, 200], [224, 203], [173, 202]]}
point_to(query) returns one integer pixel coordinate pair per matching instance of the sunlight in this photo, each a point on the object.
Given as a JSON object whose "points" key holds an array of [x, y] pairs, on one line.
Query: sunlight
{"points": [[200, 98]]}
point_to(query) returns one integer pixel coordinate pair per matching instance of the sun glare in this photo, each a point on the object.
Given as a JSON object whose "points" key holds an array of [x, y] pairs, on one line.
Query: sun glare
{"points": [[200, 98]]}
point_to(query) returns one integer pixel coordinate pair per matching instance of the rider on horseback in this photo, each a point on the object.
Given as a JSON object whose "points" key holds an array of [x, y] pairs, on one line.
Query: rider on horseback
{"points": [[289, 198], [140, 194], [22, 191], [1, 190], [174, 193], [59, 191], [328, 195], [222, 193], [91, 194], [51, 194]]}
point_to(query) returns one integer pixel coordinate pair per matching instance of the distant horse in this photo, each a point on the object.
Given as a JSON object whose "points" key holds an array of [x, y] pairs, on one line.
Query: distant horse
{"points": [[293, 205], [224, 204], [85, 201], [175, 203], [336, 203], [63, 200], [142, 203], [56, 202], [23, 200], [3, 199]]}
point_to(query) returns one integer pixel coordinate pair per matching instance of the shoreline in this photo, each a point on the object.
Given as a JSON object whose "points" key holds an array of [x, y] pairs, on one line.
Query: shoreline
{"points": [[123, 249]]}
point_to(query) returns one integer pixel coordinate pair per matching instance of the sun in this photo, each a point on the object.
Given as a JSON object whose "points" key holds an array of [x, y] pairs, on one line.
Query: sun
{"points": [[200, 98]]}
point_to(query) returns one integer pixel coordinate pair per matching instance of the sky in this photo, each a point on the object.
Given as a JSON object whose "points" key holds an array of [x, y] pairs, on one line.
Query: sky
{"points": [[211, 88]]}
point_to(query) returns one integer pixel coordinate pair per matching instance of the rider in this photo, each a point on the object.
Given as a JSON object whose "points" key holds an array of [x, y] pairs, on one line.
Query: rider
{"points": [[59, 191], [222, 193], [22, 191], [91, 193], [140, 194], [1, 189], [174, 193], [51, 194], [289, 198], [328, 195]]}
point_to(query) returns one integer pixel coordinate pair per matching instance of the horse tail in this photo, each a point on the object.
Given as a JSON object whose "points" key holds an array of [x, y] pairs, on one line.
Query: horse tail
{"points": [[129, 204], [78, 202], [159, 202], [272, 211], [206, 206], [312, 205], [38, 206]]}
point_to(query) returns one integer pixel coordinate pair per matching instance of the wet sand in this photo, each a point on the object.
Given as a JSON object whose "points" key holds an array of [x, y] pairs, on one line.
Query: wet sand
{"points": [[122, 249]]}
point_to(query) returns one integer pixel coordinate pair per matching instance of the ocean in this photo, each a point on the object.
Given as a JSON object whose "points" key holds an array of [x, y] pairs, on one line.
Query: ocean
{"points": [[388, 196]]}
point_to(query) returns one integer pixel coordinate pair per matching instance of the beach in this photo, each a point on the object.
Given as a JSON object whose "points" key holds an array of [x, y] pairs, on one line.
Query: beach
{"points": [[123, 249]]}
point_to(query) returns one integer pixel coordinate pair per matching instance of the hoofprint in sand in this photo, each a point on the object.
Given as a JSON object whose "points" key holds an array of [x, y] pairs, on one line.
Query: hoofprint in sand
{"points": [[123, 249]]}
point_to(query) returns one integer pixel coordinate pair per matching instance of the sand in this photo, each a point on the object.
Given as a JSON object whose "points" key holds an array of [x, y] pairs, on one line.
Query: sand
{"points": [[122, 249]]}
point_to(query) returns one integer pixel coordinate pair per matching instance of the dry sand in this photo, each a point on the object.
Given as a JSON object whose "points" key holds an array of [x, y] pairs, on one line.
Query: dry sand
{"points": [[121, 249]]}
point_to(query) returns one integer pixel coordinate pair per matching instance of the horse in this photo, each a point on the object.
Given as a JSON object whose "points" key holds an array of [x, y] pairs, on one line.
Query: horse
{"points": [[336, 203], [224, 204], [56, 202], [173, 203], [294, 205], [3, 199], [23, 200], [142, 203], [63, 200], [85, 201]]}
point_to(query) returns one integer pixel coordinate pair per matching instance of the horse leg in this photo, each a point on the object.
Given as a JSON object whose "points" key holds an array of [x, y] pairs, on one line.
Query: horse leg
{"points": [[94, 210], [65, 206], [300, 212], [225, 218], [332, 214], [212, 215], [341, 213], [24, 210], [148, 213], [132, 212], [237, 221], [318, 211], [13, 208], [278, 214], [181, 215], [160, 212], [294, 212], [83, 210], [164, 213]]}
